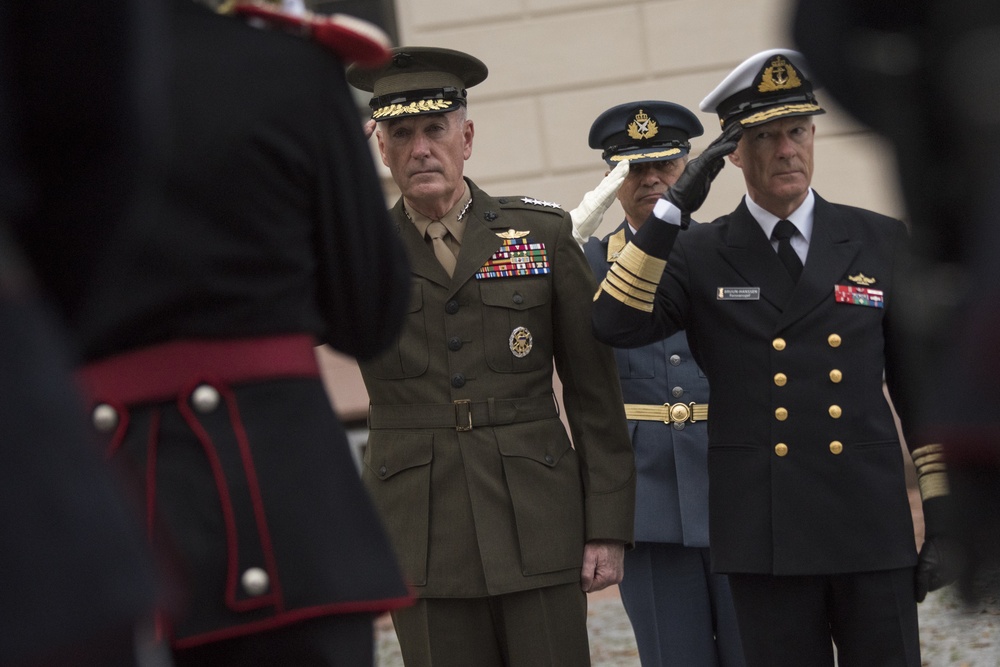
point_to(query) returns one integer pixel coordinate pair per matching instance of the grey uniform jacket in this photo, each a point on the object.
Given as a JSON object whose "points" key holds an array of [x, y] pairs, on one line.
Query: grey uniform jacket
{"points": [[804, 458], [671, 496], [468, 461]]}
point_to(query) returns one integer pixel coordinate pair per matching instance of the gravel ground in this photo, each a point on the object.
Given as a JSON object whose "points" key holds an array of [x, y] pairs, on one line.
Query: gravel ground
{"points": [[952, 634]]}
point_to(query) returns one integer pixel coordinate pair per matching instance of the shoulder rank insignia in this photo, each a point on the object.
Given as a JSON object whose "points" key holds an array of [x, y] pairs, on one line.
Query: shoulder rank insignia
{"points": [[512, 234], [539, 202], [352, 39], [861, 279], [615, 244]]}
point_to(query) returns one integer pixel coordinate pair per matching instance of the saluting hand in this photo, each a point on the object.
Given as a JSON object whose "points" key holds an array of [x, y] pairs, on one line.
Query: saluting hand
{"points": [[691, 189], [603, 565], [588, 215]]}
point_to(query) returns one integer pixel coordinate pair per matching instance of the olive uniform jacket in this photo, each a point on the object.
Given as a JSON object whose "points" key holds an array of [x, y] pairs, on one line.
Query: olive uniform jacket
{"points": [[671, 459], [804, 458], [467, 459]]}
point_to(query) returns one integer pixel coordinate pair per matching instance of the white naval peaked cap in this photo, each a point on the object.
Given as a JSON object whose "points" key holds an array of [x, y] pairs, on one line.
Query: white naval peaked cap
{"points": [[768, 85]]}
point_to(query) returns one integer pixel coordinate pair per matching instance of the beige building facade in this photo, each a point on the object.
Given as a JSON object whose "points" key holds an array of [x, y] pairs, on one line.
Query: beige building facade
{"points": [[556, 64]]}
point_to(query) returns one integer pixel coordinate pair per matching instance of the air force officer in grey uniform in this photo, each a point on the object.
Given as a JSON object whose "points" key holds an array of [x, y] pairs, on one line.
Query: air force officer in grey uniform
{"points": [[681, 613]]}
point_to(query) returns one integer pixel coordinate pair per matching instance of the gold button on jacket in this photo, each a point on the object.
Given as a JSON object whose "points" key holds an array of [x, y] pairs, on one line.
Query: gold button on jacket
{"points": [[810, 511]]}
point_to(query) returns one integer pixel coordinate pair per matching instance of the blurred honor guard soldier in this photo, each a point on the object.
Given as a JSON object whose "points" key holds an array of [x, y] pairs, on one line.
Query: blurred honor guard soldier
{"points": [[78, 580], [499, 522], [681, 613], [200, 340], [807, 503]]}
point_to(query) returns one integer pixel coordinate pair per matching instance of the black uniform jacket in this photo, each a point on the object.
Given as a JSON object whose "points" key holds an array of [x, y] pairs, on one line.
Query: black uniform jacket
{"points": [[806, 474], [507, 504], [271, 223]]}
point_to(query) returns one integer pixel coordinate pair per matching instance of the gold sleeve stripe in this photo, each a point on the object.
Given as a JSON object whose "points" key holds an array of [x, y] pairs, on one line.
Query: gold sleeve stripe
{"points": [[641, 265], [932, 475], [614, 292], [933, 485], [927, 454], [623, 278], [627, 289]]}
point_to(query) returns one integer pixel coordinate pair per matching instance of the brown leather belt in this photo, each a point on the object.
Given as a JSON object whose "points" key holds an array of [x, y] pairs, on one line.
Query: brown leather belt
{"points": [[668, 413], [159, 372], [463, 415]]}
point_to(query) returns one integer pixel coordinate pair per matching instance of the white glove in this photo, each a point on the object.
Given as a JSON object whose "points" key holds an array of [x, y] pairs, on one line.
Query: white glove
{"points": [[588, 215]]}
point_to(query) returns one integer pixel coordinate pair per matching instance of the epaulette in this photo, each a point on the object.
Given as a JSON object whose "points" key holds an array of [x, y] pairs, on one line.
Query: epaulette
{"points": [[530, 204], [616, 243], [353, 40]]}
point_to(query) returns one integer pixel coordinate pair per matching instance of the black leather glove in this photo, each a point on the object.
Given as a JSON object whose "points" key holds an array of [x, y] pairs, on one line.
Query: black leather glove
{"points": [[691, 189], [940, 559]]}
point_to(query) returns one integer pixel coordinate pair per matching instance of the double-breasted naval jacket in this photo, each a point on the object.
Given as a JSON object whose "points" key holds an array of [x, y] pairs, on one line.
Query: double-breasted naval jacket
{"points": [[468, 460], [671, 496], [804, 458]]}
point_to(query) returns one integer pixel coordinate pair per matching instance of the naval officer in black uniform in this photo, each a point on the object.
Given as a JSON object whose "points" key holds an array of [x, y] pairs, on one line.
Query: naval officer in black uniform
{"points": [[789, 303]]}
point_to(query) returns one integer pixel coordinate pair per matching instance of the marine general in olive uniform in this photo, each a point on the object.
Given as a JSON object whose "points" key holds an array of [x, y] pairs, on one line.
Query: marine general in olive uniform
{"points": [[499, 522]]}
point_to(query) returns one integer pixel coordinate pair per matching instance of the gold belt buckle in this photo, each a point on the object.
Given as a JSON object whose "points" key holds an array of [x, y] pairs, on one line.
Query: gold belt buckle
{"points": [[459, 426], [678, 412]]}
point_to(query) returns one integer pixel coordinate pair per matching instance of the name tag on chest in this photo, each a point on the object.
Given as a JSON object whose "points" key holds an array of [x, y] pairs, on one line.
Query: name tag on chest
{"points": [[737, 294]]}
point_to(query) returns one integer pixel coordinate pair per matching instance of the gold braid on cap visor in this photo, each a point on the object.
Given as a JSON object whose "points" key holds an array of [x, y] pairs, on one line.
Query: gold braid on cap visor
{"points": [[931, 471], [420, 106], [633, 278], [777, 112], [640, 156]]}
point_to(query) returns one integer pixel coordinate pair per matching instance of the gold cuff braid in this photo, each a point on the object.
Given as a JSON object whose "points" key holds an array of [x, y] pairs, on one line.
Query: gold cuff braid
{"points": [[932, 472], [644, 304], [633, 278], [627, 284], [644, 267]]}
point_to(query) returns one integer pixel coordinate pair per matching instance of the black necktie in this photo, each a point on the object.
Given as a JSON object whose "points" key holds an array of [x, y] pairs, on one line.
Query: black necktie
{"points": [[783, 232]]}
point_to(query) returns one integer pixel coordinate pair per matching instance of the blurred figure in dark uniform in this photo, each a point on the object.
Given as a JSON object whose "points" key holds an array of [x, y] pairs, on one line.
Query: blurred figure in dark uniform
{"points": [[910, 71], [270, 237], [681, 613], [79, 585], [78, 579]]}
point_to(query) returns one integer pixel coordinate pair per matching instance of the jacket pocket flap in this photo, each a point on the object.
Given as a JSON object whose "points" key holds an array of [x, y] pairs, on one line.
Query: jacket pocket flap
{"points": [[515, 294], [547, 453], [391, 452]]}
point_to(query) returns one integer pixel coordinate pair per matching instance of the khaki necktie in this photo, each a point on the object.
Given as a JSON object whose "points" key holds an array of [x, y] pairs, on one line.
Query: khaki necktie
{"points": [[437, 231]]}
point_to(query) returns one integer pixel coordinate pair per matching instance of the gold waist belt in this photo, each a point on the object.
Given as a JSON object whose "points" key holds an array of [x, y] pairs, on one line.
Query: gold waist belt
{"points": [[667, 413]]}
